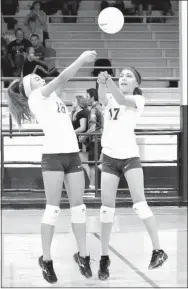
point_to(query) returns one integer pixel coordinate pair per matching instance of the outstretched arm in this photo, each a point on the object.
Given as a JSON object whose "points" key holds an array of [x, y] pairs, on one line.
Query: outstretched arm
{"points": [[121, 98], [102, 88], [102, 93], [69, 72]]}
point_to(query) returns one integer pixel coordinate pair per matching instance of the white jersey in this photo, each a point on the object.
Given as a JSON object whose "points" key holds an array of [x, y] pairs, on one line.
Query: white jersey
{"points": [[118, 138], [54, 119]]}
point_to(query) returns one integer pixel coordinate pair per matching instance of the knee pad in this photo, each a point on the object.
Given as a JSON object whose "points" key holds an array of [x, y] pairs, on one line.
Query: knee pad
{"points": [[107, 214], [51, 215], [78, 214], [142, 210]]}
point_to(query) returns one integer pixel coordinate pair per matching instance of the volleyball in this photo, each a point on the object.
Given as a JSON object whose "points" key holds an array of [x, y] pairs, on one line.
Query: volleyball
{"points": [[111, 20]]}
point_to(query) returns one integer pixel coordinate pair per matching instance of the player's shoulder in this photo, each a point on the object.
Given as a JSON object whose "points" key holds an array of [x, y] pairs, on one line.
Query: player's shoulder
{"points": [[140, 98], [36, 96], [35, 93]]}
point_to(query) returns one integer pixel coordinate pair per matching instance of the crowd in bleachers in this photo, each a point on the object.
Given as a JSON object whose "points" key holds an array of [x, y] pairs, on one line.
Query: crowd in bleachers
{"points": [[137, 7], [27, 49]]}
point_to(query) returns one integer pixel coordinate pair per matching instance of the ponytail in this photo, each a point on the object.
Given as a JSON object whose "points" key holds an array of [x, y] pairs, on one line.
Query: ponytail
{"points": [[18, 102], [137, 90]]}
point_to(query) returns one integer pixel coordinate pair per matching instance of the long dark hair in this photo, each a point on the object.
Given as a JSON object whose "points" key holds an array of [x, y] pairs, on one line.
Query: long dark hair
{"points": [[18, 102]]}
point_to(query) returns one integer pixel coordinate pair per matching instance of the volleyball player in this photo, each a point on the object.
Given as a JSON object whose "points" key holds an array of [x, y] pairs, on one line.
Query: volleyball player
{"points": [[121, 157], [60, 160]]}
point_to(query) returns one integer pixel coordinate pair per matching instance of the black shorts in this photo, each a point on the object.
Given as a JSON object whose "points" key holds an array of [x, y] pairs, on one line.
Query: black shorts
{"points": [[67, 163], [91, 150], [119, 167]]}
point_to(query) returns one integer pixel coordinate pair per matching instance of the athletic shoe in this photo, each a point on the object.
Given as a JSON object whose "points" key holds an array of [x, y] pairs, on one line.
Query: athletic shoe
{"points": [[84, 265], [157, 259], [47, 270], [103, 272]]}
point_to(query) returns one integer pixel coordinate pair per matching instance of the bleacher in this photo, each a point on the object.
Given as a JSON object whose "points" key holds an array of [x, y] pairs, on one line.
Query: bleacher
{"points": [[152, 48]]}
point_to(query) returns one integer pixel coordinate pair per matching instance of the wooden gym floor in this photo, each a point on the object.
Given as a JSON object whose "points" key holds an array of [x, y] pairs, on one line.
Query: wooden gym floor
{"points": [[130, 250]]}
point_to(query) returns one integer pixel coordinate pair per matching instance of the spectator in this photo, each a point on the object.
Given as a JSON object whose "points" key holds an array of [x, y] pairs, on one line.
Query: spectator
{"points": [[166, 8], [9, 7], [145, 5], [80, 114], [39, 48], [79, 117], [33, 64], [70, 8], [38, 16], [51, 7], [48, 53], [130, 10], [163, 5], [9, 34], [95, 125], [33, 29], [107, 3], [6, 68], [119, 4], [3, 42], [16, 51], [3, 25]]}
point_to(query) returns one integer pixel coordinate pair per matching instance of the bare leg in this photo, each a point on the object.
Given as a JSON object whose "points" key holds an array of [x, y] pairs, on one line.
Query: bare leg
{"points": [[53, 183], [135, 180], [75, 185], [109, 185]]}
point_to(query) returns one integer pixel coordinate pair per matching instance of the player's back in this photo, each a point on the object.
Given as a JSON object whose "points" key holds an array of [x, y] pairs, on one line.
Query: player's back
{"points": [[53, 116]]}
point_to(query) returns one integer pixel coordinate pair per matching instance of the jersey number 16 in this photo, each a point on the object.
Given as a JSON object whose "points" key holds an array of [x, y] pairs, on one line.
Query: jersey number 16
{"points": [[114, 113], [60, 107]]}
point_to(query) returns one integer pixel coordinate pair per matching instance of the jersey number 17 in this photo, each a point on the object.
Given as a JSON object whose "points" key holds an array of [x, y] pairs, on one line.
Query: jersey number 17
{"points": [[114, 113]]}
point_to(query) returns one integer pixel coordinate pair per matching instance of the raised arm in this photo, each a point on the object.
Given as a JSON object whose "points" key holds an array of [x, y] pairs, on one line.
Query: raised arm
{"points": [[122, 99], [102, 88], [69, 72], [102, 93], [105, 82]]}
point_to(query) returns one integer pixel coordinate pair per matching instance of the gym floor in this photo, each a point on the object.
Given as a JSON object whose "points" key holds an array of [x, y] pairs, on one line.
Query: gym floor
{"points": [[130, 250]]}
